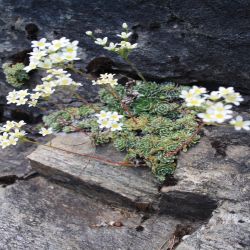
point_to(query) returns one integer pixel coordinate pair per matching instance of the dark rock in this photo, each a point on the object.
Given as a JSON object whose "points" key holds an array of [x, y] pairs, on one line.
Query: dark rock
{"points": [[37, 214], [13, 161], [185, 41]]}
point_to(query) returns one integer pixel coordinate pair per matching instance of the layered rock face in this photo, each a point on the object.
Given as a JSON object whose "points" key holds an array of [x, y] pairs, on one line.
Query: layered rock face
{"points": [[190, 41]]}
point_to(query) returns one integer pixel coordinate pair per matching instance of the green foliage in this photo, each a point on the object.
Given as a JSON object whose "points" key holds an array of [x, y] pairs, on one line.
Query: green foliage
{"points": [[161, 124], [15, 75], [70, 119]]}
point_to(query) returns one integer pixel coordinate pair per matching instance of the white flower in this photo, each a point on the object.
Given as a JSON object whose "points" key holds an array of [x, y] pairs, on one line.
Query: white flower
{"points": [[4, 143], [17, 97], [46, 64], [18, 133], [219, 107], [64, 81], [11, 133], [111, 47], [30, 67], [109, 120], [35, 96], [8, 126], [214, 96], [104, 123], [13, 140], [45, 131], [4, 136], [57, 71], [56, 57], [12, 97], [106, 79], [206, 117], [186, 94], [58, 44], [20, 124], [22, 93], [71, 48], [197, 91], [127, 45], [221, 117], [115, 116], [41, 44], [37, 54], [125, 35], [225, 91], [89, 33], [70, 56], [103, 115], [101, 41], [124, 26], [234, 98], [21, 101], [219, 112], [116, 126], [194, 101], [240, 124]]}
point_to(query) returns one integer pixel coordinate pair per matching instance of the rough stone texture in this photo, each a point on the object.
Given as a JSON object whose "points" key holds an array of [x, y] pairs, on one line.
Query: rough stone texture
{"points": [[219, 166], [14, 165], [229, 229], [183, 40], [217, 169], [116, 184], [37, 214]]}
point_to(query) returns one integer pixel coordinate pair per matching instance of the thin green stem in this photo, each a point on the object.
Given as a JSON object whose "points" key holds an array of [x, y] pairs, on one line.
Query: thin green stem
{"points": [[135, 69], [123, 105]]}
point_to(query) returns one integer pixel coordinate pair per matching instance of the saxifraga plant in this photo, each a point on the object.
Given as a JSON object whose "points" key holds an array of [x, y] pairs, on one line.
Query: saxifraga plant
{"points": [[147, 121]]}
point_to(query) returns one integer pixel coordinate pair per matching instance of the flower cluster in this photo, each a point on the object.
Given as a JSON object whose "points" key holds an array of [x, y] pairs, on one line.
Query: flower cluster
{"points": [[55, 78], [10, 133], [106, 79], [45, 55], [109, 120], [217, 105], [123, 48]]}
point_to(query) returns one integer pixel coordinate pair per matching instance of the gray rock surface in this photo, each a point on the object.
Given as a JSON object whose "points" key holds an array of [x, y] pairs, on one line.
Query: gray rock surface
{"points": [[38, 214], [115, 184], [228, 228], [187, 41], [13, 163], [217, 169]]}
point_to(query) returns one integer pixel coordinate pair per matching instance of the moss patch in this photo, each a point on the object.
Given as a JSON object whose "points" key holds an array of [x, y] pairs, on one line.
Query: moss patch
{"points": [[15, 74]]}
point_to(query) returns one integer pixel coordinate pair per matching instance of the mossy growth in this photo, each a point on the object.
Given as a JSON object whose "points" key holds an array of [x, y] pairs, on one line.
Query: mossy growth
{"points": [[161, 124], [72, 119], [15, 74]]}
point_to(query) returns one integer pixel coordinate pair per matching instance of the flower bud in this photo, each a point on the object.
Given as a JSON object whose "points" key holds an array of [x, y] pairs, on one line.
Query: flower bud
{"points": [[124, 26], [89, 33]]}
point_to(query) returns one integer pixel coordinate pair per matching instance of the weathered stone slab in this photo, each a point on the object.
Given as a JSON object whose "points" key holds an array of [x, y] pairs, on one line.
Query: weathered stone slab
{"points": [[124, 185], [40, 215], [218, 167], [228, 229]]}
